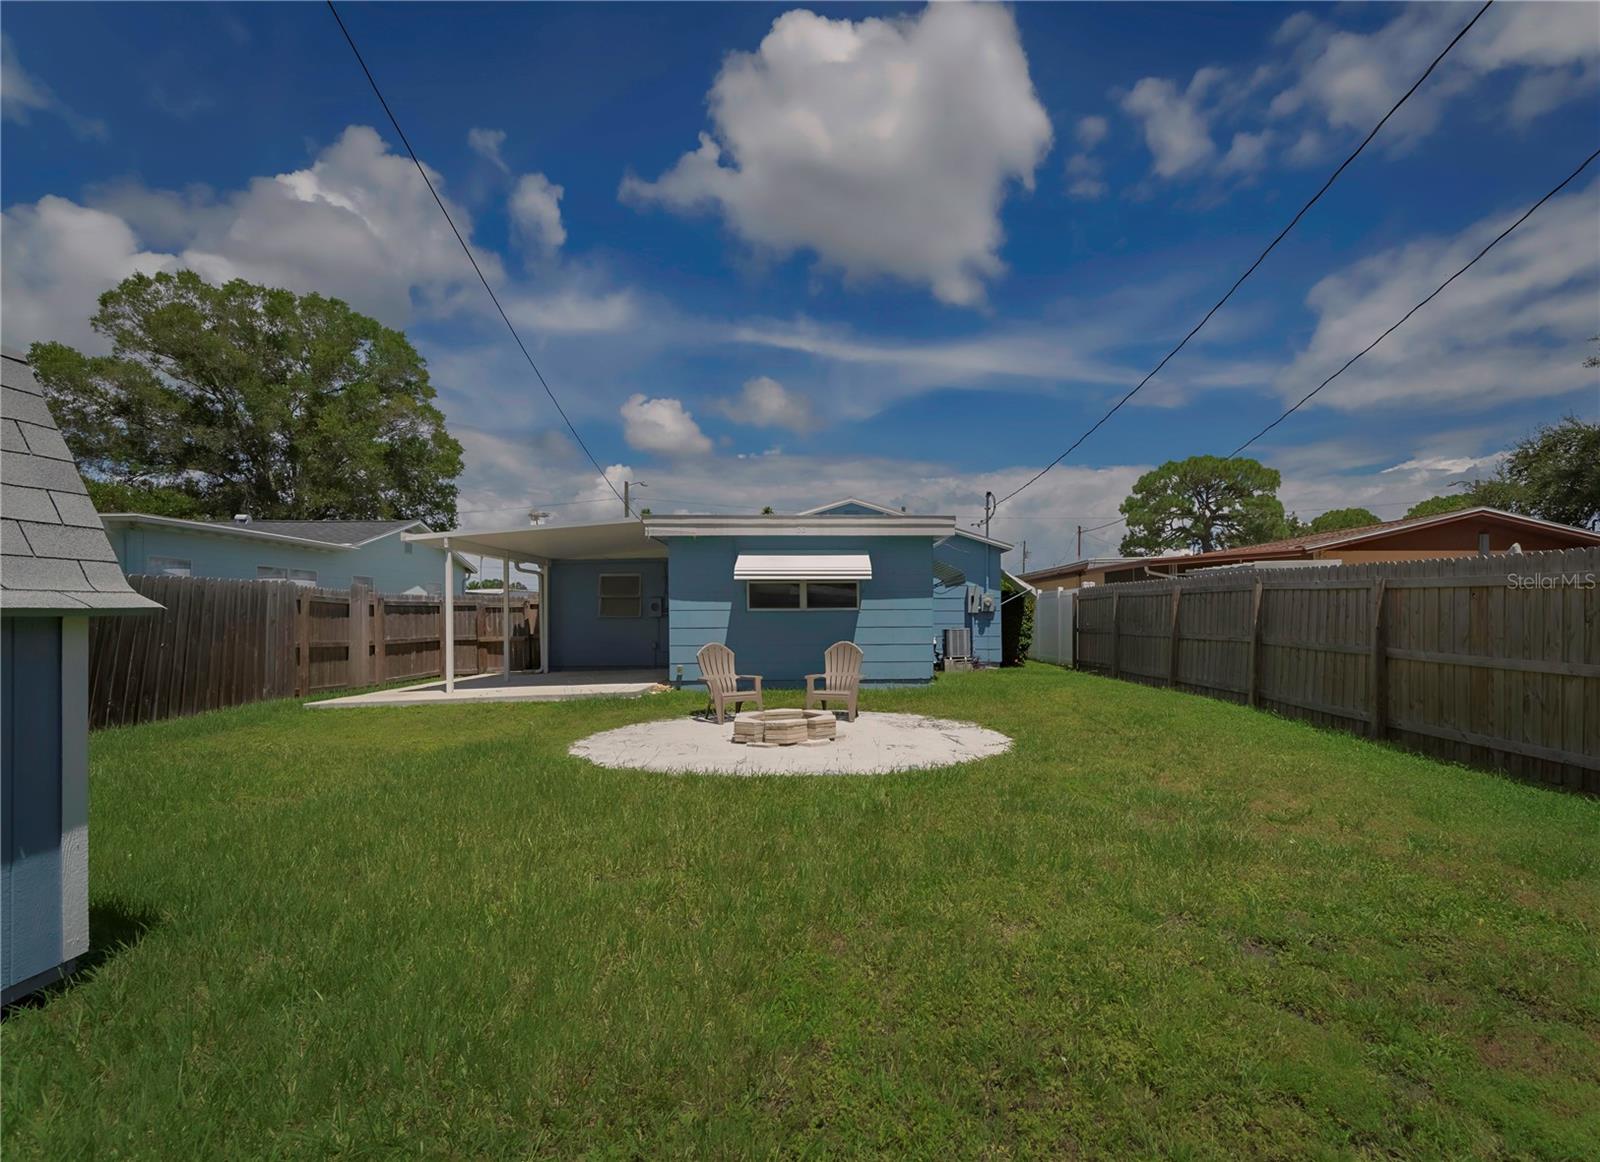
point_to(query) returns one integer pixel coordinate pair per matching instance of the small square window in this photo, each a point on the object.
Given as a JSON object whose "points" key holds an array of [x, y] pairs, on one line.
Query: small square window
{"points": [[367, 581], [167, 567], [271, 573], [621, 595], [303, 576]]}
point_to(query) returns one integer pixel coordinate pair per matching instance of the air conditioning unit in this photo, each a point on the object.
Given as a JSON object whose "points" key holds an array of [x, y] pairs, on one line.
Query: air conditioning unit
{"points": [[957, 643]]}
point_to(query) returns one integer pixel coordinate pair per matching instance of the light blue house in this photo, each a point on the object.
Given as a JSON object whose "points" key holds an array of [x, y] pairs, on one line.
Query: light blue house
{"points": [[778, 590], [330, 554]]}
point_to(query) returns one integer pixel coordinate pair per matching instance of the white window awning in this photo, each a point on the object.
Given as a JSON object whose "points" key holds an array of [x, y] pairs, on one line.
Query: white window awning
{"points": [[803, 567]]}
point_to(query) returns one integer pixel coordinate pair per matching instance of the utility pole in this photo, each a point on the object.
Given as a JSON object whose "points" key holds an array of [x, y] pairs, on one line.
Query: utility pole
{"points": [[627, 485], [1024, 556], [988, 510], [1080, 542]]}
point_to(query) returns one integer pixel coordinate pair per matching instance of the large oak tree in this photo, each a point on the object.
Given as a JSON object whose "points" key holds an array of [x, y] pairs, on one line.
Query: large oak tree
{"points": [[218, 400], [1203, 503]]}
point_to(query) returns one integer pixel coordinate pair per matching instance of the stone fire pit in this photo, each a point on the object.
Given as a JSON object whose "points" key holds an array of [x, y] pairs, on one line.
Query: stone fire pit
{"points": [[785, 727]]}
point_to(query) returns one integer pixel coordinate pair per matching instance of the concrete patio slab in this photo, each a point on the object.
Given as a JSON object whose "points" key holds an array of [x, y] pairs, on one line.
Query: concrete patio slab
{"points": [[873, 744], [561, 686]]}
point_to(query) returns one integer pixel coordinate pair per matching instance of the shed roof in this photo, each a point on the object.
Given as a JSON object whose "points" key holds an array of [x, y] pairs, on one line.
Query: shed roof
{"points": [[54, 555]]}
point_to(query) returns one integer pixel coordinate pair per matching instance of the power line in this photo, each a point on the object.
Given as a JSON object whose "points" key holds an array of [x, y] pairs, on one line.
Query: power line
{"points": [[1434, 294], [1315, 198], [465, 249]]}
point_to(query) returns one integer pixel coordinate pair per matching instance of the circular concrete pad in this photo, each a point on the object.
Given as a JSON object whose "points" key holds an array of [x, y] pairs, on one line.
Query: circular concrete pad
{"points": [[873, 744]]}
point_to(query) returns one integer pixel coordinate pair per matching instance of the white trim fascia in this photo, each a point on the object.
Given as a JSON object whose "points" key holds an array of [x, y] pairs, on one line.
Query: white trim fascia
{"points": [[468, 534], [221, 530], [1004, 546], [717, 525], [74, 787], [856, 500]]}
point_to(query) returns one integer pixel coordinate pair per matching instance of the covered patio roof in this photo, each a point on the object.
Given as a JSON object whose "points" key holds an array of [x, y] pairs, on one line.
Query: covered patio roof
{"points": [[603, 541]]}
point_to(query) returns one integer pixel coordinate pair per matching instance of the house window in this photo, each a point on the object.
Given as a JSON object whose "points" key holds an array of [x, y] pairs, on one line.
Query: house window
{"points": [[621, 595], [305, 577], [167, 567], [367, 581], [804, 594]]}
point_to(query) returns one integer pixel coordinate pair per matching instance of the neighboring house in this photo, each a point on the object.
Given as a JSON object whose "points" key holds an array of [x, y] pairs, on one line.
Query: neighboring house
{"points": [[1468, 532], [330, 554], [56, 572], [778, 590], [1089, 571]]}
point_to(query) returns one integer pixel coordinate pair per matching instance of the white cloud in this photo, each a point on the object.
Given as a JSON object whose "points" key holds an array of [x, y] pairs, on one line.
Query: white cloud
{"points": [[536, 212], [1347, 80], [357, 224], [22, 95], [487, 144], [59, 257], [1091, 131], [576, 312], [1512, 328], [763, 402], [1247, 154], [1084, 178], [663, 426], [1176, 130], [883, 145]]}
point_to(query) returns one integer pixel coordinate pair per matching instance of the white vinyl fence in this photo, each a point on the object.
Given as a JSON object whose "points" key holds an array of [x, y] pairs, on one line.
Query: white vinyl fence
{"points": [[1052, 626]]}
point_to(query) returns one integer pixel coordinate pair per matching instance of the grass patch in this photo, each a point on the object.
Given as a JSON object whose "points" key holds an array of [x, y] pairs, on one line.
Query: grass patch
{"points": [[1161, 925]]}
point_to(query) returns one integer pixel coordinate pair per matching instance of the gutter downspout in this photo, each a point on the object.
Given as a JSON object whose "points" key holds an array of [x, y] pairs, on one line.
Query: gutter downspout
{"points": [[448, 662]]}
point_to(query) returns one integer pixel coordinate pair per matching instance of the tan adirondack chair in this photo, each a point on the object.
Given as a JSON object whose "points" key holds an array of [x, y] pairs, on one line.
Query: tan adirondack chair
{"points": [[717, 672], [841, 678]]}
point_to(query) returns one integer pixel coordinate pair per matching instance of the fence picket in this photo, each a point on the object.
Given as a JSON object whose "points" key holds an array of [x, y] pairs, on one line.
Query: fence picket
{"points": [[1452, 657]]}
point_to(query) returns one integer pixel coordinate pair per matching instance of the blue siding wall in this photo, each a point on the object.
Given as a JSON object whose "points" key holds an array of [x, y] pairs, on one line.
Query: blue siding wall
{"points": [[387, 561], [580, 639], [981, 564], [30, 769], [894, 626]]}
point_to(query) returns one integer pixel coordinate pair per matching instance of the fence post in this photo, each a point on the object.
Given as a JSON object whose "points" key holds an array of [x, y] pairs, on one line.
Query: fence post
{"points": [[1378, 679], [357, 666], [1253, 681], [380, 641], [1172, 641], [302, 642], [1116, 639]]}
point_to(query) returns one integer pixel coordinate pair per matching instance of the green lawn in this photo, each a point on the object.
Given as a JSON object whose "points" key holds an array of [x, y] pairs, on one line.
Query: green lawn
{"points": [[1162, 925]]}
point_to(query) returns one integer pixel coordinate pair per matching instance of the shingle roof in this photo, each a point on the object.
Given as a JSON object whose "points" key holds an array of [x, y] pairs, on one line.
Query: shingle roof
{"points": [[333, 532], [1310, 542], [54, 555]]}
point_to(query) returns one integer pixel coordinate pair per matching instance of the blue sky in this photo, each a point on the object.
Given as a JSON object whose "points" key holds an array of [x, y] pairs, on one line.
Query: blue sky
{"points": [[769, 255]]}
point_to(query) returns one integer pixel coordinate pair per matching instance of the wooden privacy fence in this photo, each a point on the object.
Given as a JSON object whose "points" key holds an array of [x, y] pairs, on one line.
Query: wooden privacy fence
{"points": [[1493, 661], [224, 643]]}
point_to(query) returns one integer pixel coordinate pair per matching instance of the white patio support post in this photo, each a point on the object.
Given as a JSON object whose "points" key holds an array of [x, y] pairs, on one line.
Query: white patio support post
{"points": [[449, 607], [505, 620]]}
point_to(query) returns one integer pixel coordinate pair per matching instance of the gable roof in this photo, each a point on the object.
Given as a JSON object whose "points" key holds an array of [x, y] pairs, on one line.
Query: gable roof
{"points": [[331, 535], [1314, 542], [857, 502], [54, 555]]}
